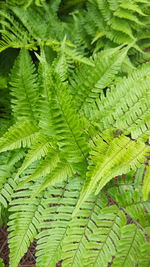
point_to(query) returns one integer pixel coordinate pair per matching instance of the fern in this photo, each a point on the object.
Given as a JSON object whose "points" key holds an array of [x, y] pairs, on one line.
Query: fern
{"points": [[23, 3], [133, 116], [115, 163], [146, 184], [13, 34], [98, 77], [144, 255], [19, 135], [75, 127], [61, 202], [81, 246], [113, 220], [129, 247], [45, 166], [128, 195], [7, 167], [21, 91], [23, 226], [108, 22], [38, 150]]}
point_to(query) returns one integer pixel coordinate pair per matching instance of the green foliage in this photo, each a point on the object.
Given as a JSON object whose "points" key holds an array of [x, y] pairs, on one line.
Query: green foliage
{"points": [[24, 3], [128, 194], [75, 128], [146, 184], [1, 263], [131, 240], [113, 21]]}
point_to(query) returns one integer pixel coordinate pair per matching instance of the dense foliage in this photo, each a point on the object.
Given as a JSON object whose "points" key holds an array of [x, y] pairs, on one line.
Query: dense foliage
{"points": [[75, 128]]}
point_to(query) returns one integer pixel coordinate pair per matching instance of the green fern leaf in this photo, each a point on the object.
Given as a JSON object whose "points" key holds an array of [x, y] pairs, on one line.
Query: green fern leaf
{"points": [[103, 5], [89, 81], [7, 168], [13, 34], [63, 123], [108, 231], [146, 184], [23, 223], [61, 172], [144, 258], [128, 195], [93, 222], [6, 192], [41, 29], [61, 200], [133, 7], [39, 149], [24, 3], [132, 114], [122, 154], [122, 13], [19, 135], [131, 240], [123, 26], [64, 113], [24, 90], [44, 167]]}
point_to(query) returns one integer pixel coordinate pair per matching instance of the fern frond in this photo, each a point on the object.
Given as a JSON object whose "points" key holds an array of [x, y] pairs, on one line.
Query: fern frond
{"points": [[61, 200], [133, 7], [63, 124], [44, 167], [24, 220], [13, 34], [111, 157], [77, 58], [108, 230], [127, 193], [144, 257], [66, 59], [130, 243], [80, 246], [6, 192], [122, 13], [146, 184], [24, 3], [89, 81], [44, 103], [19, 135], [24, 88], [61, 172], [132, 114], [63, 63], [7, 168], [118, 22], [104, 8], [40, 30], [4, 170], [64, 114], [39, 149]]}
